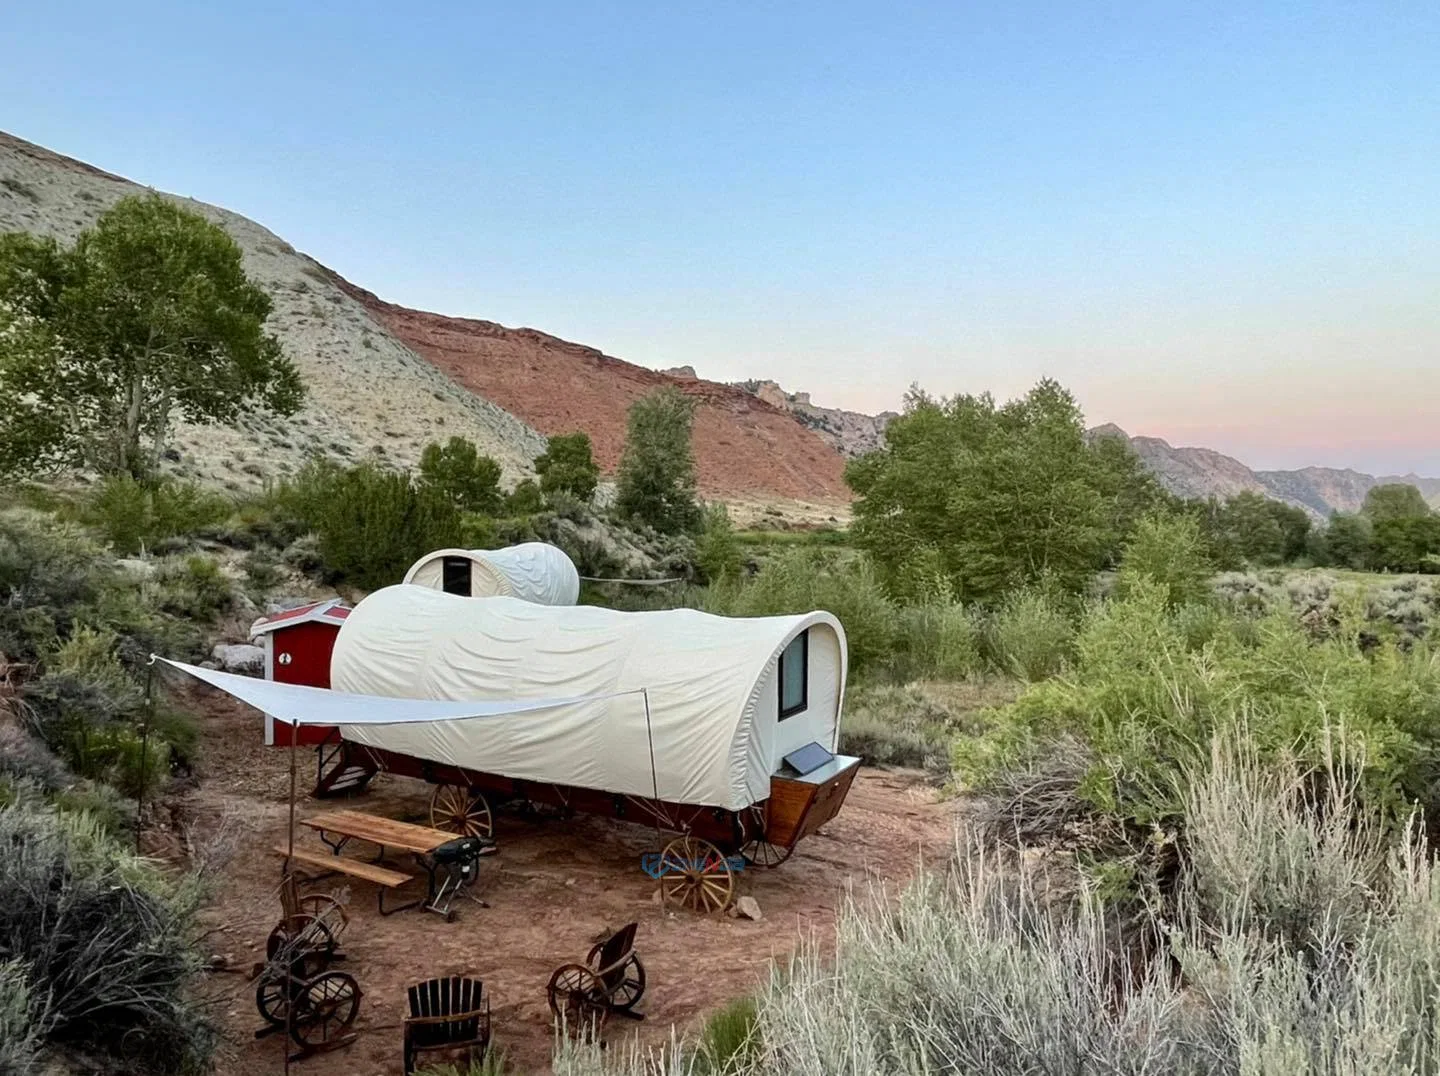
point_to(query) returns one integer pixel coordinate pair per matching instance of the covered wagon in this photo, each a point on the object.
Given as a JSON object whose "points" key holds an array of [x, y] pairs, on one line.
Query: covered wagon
{"points": [[722, 730], [532, 571]]}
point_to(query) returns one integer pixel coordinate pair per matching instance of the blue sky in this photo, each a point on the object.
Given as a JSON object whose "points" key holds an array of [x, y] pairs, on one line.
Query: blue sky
{"points": [[1219, 224]]}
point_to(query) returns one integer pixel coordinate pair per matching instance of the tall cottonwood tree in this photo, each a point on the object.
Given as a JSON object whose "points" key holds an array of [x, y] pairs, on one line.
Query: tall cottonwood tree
{"points": [[656, 479], [148, 318], [996, 497]]}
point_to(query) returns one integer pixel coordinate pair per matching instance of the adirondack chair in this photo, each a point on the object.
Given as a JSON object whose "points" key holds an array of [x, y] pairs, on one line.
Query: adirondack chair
{"points": [[612, 980], [447, 1014]]}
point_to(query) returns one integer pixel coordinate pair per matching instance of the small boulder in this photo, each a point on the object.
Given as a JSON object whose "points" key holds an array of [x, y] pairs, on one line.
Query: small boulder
{"points": [[657, 897], [208, 664], [747, 908], [240, 658]]}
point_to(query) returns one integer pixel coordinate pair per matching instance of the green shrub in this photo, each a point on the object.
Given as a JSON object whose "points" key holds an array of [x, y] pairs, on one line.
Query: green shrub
{"points": [[1145, 703], [25, 758], [101, 804], [195, 587], [109, 941], [1029, 636], [456, 472], [262, 572], [525, 499], [939, 642], [803, 580], [568, 465], [370, 524], [717, 551], [1168, 550], [730, 1038], [135, 515], [890, 725]]}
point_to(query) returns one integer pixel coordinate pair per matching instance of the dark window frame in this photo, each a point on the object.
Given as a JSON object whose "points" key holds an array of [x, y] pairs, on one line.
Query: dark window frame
{"points": [[804, 703], [449, 568]]}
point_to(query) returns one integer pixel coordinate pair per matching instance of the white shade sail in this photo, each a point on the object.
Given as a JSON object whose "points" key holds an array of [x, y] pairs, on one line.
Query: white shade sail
{"points": [[301, 705]]}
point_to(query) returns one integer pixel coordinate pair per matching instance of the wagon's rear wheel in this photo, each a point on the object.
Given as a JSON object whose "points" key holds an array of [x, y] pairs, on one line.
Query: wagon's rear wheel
{"points": [[461, 810], [577, 1000], [761, 853], [695, 875], [324, 1010]]}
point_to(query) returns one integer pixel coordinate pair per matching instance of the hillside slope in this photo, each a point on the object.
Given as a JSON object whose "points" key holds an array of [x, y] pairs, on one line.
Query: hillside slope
{"points": [[368, 393], [743, 445]]}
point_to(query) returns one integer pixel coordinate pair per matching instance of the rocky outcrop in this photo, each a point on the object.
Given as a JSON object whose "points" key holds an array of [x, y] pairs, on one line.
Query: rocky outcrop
{"points": [[1203, 472], [852, 433]]}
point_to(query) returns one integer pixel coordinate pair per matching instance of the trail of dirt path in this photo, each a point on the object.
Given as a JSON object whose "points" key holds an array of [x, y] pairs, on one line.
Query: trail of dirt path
{"points": [[553, 888]]}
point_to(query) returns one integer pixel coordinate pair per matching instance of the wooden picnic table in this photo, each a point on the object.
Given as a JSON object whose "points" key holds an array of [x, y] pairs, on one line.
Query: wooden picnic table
{"points": [[386, 832], [339, 828]]}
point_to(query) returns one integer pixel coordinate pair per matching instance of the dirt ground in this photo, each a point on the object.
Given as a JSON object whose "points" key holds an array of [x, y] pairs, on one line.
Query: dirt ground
{"points": [[554, 887]]}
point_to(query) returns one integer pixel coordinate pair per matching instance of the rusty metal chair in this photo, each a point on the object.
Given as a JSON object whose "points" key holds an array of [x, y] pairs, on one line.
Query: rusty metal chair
{"points": [[612, 980]]}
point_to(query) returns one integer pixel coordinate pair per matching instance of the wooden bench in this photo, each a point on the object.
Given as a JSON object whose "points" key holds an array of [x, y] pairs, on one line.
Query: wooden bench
{"points": [[382, 877]]}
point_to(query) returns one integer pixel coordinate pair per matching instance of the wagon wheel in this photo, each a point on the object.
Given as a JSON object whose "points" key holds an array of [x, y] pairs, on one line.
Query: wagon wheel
{"points": [[759, 852], [273, 991], [461, 810], [272, 1000], [577, 999], [302, 931], [696, 876], [632, 987], [324, 1008]]}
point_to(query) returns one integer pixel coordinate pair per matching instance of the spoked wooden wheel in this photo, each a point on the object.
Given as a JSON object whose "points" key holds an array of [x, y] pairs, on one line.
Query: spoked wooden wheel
{"points": [[631, 988], [324, 1009], [461, 810], [761, 853], [274, 991], [577, 1000], [696, 876]]}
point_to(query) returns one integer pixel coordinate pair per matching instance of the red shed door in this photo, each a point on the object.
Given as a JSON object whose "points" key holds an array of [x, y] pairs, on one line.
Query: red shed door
{"points": [[300, 655]]}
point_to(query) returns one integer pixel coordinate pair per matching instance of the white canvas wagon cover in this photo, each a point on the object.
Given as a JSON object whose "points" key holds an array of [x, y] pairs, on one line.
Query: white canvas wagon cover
{"points": [[535, 571], [712, 724]]}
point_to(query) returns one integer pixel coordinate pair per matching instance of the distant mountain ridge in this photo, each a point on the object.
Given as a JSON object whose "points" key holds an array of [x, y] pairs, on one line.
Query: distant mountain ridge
{"points": [[1203, 472]]}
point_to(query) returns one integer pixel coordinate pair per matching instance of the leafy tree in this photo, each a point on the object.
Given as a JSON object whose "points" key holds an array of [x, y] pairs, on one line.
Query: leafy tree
{"points": [[656, 481], [1396, 500], [1347, 540], [567, 464], [524, 499], [457, 472], [1001, 497], [373, 524], [1405, 543], [718, 551], [148, 317], [1170, 551]]}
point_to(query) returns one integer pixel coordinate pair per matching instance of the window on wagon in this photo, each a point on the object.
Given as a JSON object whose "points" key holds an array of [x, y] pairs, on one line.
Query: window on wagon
{"points": [[795, 675]]}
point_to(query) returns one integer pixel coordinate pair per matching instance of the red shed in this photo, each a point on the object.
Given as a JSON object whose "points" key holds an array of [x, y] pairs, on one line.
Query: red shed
{"points": [[297, 646]]}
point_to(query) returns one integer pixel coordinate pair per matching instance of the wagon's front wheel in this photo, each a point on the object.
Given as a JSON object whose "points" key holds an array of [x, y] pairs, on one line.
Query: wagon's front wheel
{"points": [[461, 810], [695, 875]]}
